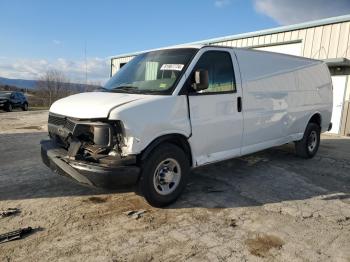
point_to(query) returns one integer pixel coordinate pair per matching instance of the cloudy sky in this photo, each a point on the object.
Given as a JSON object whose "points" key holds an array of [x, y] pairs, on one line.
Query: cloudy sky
{"points": [[37, 35]]}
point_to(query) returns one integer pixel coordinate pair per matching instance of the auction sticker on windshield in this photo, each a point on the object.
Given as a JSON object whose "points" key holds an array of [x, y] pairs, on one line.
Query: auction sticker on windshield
{"points": [[176, 67]]}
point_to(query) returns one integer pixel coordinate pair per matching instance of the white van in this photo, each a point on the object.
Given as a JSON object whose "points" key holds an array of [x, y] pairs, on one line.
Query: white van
{"points": [[170, 110]]}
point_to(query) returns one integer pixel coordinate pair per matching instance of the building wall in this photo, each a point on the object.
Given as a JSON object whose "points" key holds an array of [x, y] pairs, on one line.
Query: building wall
{"points": [[115, 63], [320, 42]]}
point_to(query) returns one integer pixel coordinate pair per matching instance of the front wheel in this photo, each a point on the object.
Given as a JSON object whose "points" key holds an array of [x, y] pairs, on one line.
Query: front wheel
{"points": [[308, 146], [25, 107], [164, 174]]}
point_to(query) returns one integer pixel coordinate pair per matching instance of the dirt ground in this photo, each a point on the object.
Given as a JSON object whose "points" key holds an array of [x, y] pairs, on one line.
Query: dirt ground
{"points": [[269, 206]]}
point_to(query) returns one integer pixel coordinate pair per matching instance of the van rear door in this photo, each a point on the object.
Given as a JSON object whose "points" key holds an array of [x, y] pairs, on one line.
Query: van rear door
{"points": [[216, 113]]}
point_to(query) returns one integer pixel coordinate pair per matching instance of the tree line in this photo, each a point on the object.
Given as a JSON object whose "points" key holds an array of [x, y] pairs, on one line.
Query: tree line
{"points": [[51, 86], [54, 85]]}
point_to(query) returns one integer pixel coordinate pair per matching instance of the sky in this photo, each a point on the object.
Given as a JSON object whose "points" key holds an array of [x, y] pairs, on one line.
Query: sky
{"points": [[38, 35]]}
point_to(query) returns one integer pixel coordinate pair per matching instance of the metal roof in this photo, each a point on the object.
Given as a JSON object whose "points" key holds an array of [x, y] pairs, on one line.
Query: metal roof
{"points": [[326, 21]]}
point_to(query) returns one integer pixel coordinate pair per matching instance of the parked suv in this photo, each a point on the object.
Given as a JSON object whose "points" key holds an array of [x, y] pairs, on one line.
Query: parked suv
{"points": [[10, 100]]}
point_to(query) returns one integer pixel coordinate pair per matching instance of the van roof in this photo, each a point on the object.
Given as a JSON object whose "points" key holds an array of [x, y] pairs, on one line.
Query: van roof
{"points": [[199, 46], [196, 46]]}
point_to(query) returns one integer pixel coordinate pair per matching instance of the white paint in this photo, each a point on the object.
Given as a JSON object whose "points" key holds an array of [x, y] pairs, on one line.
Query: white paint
{"points": [[280, 95], [92, 104], [216, 125], [152, 117], [339, 83]]}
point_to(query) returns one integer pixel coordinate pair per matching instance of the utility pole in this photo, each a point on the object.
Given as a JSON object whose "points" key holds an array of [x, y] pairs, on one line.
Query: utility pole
{"points": [[86, 76]]}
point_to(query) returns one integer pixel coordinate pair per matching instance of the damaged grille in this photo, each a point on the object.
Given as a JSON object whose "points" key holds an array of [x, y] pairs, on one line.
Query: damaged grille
{"points": [[61, 121], [88, 140]]}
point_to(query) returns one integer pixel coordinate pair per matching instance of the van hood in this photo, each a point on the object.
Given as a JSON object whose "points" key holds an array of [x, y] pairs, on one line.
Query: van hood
{"points": [[93, 104]]}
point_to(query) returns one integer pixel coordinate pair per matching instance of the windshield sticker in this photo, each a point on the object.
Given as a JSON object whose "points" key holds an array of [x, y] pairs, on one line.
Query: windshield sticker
{"points": [[174, 67], [162, 85]]}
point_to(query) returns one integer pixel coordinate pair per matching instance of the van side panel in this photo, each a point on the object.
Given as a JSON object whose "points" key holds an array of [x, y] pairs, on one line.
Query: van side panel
{"points": [[316, 96], [279, 97]]}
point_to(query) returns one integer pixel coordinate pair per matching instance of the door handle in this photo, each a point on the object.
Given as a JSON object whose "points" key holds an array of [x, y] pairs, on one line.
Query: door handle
{"points": [[239, 104]]}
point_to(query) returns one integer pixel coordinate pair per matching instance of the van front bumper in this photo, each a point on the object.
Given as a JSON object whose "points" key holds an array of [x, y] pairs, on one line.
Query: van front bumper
{"points": [[90, 174]]}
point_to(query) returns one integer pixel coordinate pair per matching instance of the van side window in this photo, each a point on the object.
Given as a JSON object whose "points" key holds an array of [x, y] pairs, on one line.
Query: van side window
{"points": [[220, 70]]}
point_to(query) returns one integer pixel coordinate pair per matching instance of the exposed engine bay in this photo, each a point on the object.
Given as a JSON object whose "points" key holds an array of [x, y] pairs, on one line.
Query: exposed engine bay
{"points": [[98, 140]]}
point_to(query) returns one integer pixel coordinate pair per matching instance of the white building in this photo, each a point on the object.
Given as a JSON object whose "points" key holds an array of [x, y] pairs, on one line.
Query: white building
{"points": [[326, 39]]}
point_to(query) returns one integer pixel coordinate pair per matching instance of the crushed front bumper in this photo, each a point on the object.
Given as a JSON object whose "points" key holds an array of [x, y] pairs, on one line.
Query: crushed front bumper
{"points": [[91, 174]]}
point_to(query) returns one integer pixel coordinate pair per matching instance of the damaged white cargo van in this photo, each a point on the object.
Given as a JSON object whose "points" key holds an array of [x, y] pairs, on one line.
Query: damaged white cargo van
{"points": [[170, 110]]}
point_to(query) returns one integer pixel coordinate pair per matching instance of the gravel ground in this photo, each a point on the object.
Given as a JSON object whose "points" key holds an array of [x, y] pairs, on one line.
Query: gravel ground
{"points": [[269, 206]]}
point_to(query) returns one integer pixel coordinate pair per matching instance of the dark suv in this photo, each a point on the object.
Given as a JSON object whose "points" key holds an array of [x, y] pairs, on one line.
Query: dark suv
{"points": [[10, 100]]}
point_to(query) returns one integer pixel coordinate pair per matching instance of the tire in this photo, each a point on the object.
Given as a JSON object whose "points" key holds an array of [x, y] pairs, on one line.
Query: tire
{"points": [[8, 108], [25, 107], [308, 146], [164, 174]]}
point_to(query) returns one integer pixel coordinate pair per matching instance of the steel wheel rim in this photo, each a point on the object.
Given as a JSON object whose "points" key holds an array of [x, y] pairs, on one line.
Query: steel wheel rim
{"points": [[312, 141], [167, 176], [25, 106]]}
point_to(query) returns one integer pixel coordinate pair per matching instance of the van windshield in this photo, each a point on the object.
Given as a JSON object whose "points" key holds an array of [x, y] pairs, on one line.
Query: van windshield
{"points": [[154, 72]]}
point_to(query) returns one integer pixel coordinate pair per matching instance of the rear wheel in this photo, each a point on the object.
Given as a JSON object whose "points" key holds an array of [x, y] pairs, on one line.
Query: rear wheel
{"points": [[164, 174], [308, 146], [8, 108]]}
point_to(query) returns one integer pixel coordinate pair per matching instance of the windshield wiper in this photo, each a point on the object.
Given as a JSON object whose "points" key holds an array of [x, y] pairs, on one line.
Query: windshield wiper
{"points": [[100, 88], [132, 90], [127, 89]]}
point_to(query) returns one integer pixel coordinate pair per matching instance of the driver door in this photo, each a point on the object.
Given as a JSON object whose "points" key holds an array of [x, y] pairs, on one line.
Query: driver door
{"points": [[216, 112]]}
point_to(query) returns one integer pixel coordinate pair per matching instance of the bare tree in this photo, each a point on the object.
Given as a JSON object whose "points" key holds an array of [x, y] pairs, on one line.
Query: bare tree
{"points": [[52, 86]]}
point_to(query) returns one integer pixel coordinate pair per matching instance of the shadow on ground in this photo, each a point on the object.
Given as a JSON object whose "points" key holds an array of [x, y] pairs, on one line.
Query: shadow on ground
{"points": [[272, 176], [269, 176]]}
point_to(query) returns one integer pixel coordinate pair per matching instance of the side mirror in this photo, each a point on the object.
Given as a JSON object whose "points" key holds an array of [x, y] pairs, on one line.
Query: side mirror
{"points": [[201, 80]]}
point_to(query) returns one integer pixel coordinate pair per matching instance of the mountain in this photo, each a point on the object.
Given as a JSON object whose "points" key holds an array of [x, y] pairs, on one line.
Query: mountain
{"points": [[21, 83], [31, 84]]}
